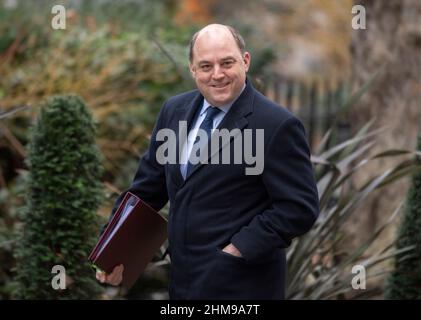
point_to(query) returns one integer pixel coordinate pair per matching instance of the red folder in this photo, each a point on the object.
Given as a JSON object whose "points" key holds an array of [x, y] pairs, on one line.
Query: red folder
{"points": [[135, 233]]}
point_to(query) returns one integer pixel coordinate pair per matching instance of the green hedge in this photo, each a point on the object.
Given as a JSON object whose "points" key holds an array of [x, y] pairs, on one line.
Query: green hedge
{"points": [[405, 281], [64, 192]]}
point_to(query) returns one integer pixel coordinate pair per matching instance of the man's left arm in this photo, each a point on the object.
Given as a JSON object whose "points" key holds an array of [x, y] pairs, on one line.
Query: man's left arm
{"points": [[289, 180]]}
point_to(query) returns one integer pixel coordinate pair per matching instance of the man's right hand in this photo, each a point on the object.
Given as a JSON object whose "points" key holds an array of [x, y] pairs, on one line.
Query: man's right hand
{"points": [[113, 278]]}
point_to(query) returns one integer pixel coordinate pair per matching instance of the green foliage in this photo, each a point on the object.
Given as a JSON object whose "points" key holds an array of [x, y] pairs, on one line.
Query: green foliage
{"points": [[317, 266], [122, 75], [405, 281], [64, 192], [11, 204], [108, 55]]}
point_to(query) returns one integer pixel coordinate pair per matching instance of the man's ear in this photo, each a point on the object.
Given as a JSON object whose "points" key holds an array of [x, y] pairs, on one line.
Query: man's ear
{"points": [[192, 70], [247, 60]]}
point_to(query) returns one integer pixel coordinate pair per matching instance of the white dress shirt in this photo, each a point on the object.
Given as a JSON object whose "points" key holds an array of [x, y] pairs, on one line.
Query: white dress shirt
{"points": [[187, 148]]}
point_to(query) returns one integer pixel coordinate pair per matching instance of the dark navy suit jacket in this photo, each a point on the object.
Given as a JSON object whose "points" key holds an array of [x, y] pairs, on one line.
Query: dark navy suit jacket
{"points": [[219, 204]]}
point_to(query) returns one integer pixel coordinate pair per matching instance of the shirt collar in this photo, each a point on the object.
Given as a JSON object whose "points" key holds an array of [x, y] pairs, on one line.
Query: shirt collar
{"points": [[224, 108]]}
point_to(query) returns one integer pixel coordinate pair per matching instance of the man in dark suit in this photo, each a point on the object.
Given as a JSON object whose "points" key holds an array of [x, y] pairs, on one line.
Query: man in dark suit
{"points": [[228, 229]]}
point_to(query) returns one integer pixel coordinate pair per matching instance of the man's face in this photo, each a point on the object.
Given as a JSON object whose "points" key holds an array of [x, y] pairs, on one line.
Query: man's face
{"points": [[218, 67]]}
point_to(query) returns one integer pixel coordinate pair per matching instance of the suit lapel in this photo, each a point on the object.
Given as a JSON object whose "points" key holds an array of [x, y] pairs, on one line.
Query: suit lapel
{"points": [[235, 118]]}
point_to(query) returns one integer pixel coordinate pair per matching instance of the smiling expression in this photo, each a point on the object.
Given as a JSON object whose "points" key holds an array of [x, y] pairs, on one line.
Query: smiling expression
{"points": [[218, 66]]}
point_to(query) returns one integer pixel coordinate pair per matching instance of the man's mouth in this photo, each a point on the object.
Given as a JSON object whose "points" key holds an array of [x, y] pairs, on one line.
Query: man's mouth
{"points": [[220, 86]]}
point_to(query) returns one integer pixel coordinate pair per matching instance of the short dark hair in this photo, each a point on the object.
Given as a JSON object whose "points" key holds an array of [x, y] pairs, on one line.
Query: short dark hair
{"points": [[237, 37]]}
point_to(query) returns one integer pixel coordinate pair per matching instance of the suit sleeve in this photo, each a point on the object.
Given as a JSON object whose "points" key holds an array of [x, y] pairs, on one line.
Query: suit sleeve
{"points": [[149, 180], [289, 180]]}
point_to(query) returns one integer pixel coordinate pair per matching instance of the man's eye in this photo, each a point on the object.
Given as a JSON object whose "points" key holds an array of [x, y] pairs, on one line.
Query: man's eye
{"points": [[205, 67], [227, 63]]}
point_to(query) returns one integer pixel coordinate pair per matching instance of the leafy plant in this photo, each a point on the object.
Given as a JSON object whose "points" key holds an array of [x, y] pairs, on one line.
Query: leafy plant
{"points": [[64, 192], [316, 270]]}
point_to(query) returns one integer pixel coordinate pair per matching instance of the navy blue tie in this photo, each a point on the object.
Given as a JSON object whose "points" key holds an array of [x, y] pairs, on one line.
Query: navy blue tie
{"points": [[207, 126]]}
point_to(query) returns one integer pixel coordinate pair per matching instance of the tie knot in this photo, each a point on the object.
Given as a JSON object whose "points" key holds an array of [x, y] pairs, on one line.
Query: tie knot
{"points": [[211, 112]]}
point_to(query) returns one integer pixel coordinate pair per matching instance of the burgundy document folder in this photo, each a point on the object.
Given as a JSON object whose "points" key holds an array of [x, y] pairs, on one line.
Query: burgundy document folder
{"points": [[134, 234]]}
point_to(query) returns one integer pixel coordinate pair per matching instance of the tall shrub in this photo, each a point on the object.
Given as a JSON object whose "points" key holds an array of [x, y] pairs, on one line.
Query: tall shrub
{"points": [[64, 192], [405, 281]]}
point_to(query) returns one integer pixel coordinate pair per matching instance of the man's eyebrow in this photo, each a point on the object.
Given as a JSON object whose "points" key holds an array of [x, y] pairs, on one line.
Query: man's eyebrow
{"points": [[228, 58], [204, 62], [223, 60]]}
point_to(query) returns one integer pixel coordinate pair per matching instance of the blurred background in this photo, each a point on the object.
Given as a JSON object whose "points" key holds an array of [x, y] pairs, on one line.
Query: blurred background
{"points": [[358, 92]]}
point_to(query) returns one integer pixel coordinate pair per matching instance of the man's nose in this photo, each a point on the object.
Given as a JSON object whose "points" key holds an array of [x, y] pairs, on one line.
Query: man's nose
{"points": [[217, 73]]}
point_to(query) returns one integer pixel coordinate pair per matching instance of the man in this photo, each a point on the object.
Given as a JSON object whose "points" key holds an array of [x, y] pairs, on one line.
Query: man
{"points": [[228, 230]]}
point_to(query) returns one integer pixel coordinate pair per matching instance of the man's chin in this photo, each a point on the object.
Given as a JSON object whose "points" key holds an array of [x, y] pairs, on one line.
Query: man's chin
{"points": [[219, 102]]}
